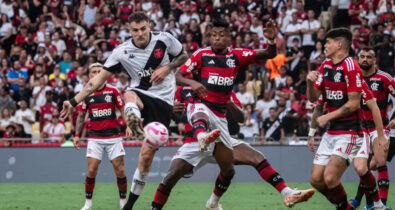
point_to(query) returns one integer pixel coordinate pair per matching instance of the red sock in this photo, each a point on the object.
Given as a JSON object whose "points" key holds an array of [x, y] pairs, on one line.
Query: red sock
{"points": [[383, 183], [338, 197], [221, 185], [89, 187], [161, 196], [369, 183], [122, 187], [270, 175], [198, 127]]}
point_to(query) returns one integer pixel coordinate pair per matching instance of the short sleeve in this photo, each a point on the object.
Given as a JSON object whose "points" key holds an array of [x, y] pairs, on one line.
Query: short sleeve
{"points": [[118, 99], [192, 64], [391, 86], [174, 47], [112, 63], [246, 56], [319, 84], [353, 76]]}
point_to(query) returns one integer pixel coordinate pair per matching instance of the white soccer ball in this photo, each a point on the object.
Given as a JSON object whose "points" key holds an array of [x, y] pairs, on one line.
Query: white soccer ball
{"points": [[156, 134]]}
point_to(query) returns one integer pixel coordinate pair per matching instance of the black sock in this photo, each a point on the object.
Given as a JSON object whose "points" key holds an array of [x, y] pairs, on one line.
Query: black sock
{"points": [[131, 200], [360, 192], [156, 206]]}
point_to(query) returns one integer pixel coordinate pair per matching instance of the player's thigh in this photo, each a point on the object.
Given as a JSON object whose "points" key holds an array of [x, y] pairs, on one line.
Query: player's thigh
{"points": [[178, 168], [244, 154], [317, 174], [131, 97], [118, 164], [224, 157], [115, 150], [334, 171]]}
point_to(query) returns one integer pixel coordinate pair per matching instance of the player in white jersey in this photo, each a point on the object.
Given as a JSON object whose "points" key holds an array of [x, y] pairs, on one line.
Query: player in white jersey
{"points": [[150, 59]]}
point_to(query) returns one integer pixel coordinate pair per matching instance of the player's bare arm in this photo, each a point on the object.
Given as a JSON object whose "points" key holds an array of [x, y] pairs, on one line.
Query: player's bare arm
{"points": [[352, 105], [378, 122], [312, 93], [318, 111], [89, 88], [270, 32], [160, 73], [78, 128], [196, 86], [128, 132]]}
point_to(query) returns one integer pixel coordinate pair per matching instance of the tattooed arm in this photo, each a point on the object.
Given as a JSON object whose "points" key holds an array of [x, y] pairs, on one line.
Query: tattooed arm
{"points": [[161, 72], [78, 128], [178, 61]]}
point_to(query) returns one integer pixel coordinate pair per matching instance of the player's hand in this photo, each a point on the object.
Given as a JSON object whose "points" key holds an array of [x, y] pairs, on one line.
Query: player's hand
{"points": [[159, 74], [270, 30], [128, 133], [322, 121], [179, 107], [67, 109], [391, 124], [312, 76], [383, 143], [76, 142], [310, 143], [199, 89]]}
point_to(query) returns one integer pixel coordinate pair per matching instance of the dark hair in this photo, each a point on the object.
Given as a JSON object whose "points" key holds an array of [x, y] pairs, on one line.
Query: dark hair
{"points": [[221, 23], [367, 49], [272, 108], [138, 17], [344, 33]]}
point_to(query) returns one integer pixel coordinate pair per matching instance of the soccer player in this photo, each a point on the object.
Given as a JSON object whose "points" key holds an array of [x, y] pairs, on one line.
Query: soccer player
{"points": [[367, 179], [381, 84], [150, 59], [217, 67], [339, 80], [189, 159], [104, 135]]}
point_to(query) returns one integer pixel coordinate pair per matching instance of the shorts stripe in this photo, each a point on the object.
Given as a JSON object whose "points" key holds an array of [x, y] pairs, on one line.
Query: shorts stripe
{"points": [[351, 144], [367, 140]]}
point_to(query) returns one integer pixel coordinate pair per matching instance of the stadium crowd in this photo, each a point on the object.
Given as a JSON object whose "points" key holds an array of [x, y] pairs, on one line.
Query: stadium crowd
{"points": [[46, 47]]}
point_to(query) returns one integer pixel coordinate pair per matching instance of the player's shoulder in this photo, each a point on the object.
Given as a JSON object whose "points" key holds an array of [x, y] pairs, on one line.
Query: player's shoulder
{"points": [[384, 75], [202, 50], [126, 44], [350, 64], [161, 35]]}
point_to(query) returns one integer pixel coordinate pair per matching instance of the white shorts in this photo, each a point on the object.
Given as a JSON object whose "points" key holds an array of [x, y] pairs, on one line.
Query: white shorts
{"points": [[373, 135], [113, 147], [364, 151], [191, 154], [215, 122], [345, 146]]}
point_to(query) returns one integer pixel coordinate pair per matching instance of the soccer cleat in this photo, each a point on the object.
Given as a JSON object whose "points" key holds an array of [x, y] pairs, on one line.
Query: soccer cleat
{"points": [[86, 207], [210, 206], [207, 139], [122, 203], [387, 207], [298, 196], [134, 123], [369, 207], [354, 203]]}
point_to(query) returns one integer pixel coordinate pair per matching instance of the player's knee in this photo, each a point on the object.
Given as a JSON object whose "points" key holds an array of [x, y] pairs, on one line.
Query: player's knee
{"points": [[331, 180], [228, 173], [120, 171], [146, 160], [380, 161], [361, 169], [316, 181], [92, 171], [171, 179]]}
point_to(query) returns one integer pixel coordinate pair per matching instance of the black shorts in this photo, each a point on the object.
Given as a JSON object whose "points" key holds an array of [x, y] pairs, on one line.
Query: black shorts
{"points": [[391, 150], [155, 110]]}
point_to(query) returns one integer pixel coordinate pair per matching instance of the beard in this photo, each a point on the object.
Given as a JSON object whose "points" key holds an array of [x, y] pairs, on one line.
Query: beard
{"points": [[365, 67]]}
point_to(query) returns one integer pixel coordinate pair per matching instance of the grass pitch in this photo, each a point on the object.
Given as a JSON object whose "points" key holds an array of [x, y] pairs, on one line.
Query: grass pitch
{"points": [[185, 196]]}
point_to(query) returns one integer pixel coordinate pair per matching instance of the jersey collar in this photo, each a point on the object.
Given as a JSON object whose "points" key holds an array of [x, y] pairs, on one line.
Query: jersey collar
{"points": [[101, 89], [375, 72]]}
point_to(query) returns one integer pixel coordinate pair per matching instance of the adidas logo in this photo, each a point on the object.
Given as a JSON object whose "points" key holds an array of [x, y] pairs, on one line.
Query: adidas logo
{"points": [[326, 74], [189, 95], [363, 152], [339, 149], [211, 62], [92, 100]]}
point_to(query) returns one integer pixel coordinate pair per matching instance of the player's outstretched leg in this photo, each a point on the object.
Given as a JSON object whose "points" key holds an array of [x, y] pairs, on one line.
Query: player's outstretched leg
{"points": [[132, 108], [93, 165], [122, 183], [224, 157], [244, 154], [178, 169], [140, 175]]}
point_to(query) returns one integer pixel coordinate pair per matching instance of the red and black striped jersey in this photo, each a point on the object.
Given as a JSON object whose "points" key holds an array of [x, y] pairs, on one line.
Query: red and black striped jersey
{"points": [[217, 73], [381, 84], [336, 81], [101, 106], [186, 95]]}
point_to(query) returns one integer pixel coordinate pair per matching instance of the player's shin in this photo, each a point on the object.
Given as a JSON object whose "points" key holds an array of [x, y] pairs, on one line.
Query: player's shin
{"points": [[270, 175], [122, 184], [160, 198], [338, 197], [221, 186], [137, 187], [383, 183], [369, 183]]}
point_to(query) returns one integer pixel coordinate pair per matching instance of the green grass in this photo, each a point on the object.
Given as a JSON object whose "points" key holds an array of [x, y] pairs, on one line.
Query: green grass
{"points": [[185, 196]]}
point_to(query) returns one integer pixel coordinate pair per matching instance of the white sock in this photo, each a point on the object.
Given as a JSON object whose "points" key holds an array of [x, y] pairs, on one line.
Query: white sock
{"points": [[122, 202], [378, 204], [88, 202], [213, 199], [132, 107], [138, 182], [286, 191]]}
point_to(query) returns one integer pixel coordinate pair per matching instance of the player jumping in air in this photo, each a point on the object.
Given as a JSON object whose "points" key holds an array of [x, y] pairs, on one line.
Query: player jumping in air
{"points": [[189, 159], [104, 135], [150, 59], [339, 80]]}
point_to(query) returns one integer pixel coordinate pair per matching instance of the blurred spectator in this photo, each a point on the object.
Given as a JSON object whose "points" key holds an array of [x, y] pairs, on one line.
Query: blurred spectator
{"points": [[300, 13], [188, 15], [292, 31], [369, 13], [309, 28], [6, 102], [272, 129], [6, 120], [20, 132], [250, 127], [123, 82], [88, 13], [315, 57], [59, 44], [5, 33], [288, 90], [282, 78], [56, 75], [274, 65], [264, 104], [39, 93], [66, 64], [175, 11], [340, 13], [354, 11], [294, 57], [54, 131], [47, 109], [386, 55], [125, 8], [14, 75], [25, 116], [244, 96], [257, 28]]}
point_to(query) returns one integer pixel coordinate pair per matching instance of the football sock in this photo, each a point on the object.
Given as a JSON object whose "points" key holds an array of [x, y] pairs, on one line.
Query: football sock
{"points": [[132, 107], [89, 187], [338, 197], [122, 187], [270, 175], [383, 183], [160, 198], [221, 185], [198, 129], [137, 187], [360, 192], [369, 183]]}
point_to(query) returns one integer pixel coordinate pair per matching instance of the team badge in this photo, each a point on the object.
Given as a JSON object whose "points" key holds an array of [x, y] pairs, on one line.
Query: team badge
{"points": [[108, 99], [158, 53]]}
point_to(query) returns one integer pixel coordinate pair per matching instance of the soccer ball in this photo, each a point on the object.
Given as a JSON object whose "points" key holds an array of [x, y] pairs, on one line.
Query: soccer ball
{"points": [[156, 134]]}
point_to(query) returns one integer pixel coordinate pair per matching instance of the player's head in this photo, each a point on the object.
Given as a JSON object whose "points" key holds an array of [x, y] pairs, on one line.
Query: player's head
{"points": [[367, 58], [140, 28], [338, 40], [94, 69], [220, 35]]}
